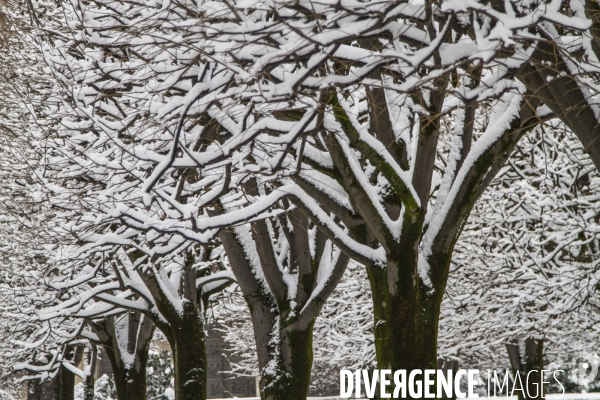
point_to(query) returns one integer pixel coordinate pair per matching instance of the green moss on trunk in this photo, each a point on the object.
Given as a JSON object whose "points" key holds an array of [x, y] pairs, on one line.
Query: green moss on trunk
{"points": [[406, 317], [288, 376]]}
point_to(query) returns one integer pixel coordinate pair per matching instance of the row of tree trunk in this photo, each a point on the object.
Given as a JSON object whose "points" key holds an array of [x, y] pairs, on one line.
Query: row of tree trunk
{"points": [[526, 360]]}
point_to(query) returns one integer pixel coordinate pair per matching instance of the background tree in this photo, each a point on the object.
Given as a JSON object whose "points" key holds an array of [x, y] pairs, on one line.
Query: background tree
{"points": [[286, 270]]}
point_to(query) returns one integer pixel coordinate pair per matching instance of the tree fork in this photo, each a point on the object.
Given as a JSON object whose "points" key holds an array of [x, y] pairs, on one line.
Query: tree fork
{"points": [[130, 383]]}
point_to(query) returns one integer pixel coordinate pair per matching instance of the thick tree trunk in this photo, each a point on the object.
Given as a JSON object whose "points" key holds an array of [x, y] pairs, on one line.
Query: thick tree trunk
{"points": [[406, 318], [283, 320], [189, 353], [405, 324], [129, 378], [64, 385], [291, 378], [64, 382], [34, 389], [130, 383], [285, 364]]}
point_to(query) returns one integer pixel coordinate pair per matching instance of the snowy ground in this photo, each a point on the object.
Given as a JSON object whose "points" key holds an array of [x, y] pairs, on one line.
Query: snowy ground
{"points": [[566, 396]]}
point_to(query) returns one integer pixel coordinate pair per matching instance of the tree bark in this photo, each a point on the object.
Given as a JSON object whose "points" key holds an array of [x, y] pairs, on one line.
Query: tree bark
{"points": [[406, 304], [64, 382], [291, 379], [90, 380], [188, 343], [283, 330], [183, 325], [64, 385], [130, 383], [405, 321], [34, 389], [130, 380], [189, 353]]}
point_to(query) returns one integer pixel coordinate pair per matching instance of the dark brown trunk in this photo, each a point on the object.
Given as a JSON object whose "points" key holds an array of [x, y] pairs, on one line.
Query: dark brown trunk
{"points": [[405, 324], [64, 382], [34, 389], [188, 344], [406, 317], [64, 385], [130, 383], [130, 379], [291, 379]]}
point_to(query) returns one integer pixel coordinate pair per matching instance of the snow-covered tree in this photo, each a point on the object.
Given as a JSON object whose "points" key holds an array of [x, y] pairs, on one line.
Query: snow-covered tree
{"points": [[167, 110], [120, 299], [126, 342], [342, 339], [122, 272], [25, 223], [526, 265], [116, 198], [286, 270]]}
